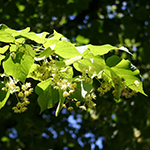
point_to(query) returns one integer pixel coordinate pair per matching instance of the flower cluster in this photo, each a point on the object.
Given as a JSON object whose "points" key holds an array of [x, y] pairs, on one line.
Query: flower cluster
{"points": [[11, 85], [44, 71], [25, 91], [84, 76], [119, 87], [128, 93], [105, 86]]}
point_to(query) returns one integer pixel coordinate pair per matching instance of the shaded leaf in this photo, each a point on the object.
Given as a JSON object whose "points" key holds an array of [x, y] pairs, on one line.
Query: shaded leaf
{"points": [[48, 96], [4, 95]]}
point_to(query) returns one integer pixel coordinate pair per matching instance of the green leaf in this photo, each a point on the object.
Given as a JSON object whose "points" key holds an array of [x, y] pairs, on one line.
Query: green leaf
{"points": [[17, 32], [124, 68], [6, 37], [20, 66], [32, 69], [12, 32], [104, 49], [42, 35], [4, 95], [50, 43], [60, 104], [124, 49], [34, 37], [59, 64], [44, 54], [72, 60], [57, 35], [101, 50], [4, 49], [48, 96], [94, 64], [20, 40], [3, 27], [13, 47], [66, 49], [42, 86]]}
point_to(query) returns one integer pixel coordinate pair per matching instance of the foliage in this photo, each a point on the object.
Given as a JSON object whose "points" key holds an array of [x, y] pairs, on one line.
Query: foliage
{"points": [[123, 125], [51, 61]]}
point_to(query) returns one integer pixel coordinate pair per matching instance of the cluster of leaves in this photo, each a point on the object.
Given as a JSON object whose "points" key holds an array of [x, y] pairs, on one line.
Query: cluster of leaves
{"points": [[51, 60]]}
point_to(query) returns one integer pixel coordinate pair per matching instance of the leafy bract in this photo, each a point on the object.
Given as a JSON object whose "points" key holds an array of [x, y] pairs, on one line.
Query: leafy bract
{"points": [[60, 104]]}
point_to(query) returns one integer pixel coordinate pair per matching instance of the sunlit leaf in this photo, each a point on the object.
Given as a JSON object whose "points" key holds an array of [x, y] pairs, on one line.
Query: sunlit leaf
{"points": [[4, 49], [124, 68], [19, 67], [66, 50], [6, 37]]}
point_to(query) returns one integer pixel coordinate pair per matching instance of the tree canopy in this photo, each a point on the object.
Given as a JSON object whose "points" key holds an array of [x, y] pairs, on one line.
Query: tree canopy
{"points": [[120, 125]]}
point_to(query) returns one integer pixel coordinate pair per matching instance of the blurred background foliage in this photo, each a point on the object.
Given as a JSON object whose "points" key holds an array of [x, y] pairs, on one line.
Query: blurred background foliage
{"points": [[124, 125]]}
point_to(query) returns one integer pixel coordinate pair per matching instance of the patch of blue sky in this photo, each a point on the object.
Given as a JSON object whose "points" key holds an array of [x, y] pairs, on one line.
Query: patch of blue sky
{"points": [[86, 19], [66, 129], [108, 8], [124, 5], [46, 116], [99, 142], [54, 18], [73, 122], [146, 23], [61, 132], [12, 133], [80, 142], [134, 48], [113, 116], [73, 39], [65, 148], [72, 17], [53, 132], [79, 120], [73, 136], [82, 26], [45, 135]]}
